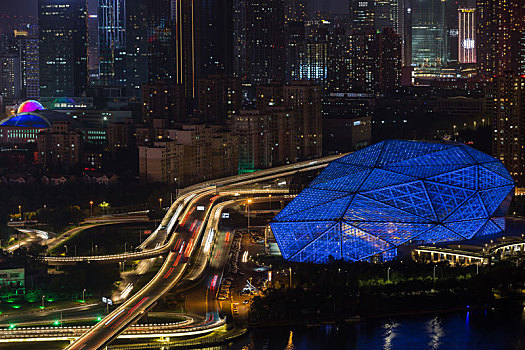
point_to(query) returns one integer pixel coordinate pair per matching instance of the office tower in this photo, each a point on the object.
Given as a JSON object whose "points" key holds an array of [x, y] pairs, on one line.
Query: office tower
{"points": [[366, 61], [499, 25], [390, 60], [467, 36], [428, 35], [112, 42], [295, 39], [386, 14], [32, 66], [220, 98], [362, 14], [10, 77], [295, 11], [239, 39], [264, 41], [405, 30], [340, 63], [63, 47], [187, 49], [160, 37], [137, 72], [508, 124], [93, 43], [216, 37], [313, 61]]}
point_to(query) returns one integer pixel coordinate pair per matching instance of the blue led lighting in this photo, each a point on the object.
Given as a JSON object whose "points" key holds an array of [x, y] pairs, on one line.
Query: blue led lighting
{"points": [[26, 121], [370, 202]]}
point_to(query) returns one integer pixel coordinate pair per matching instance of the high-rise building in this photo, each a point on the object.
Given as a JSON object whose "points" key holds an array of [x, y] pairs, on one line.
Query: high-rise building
{"points": [[61, 146], [390, 60], [340, 63], [137, 64], [366, 60], [112, 42], [10, 77], [163, 100], [239, 39], [161, 162], [264, 41], [362, 13], [428, 35], [521, 57], [63, 47], [295, 39], [32, 65], [467, 36], [509, 123], [220, 98], [386, 14], [216, 37], [499, 25], [405, 31], [313, 59], [295, 11]]}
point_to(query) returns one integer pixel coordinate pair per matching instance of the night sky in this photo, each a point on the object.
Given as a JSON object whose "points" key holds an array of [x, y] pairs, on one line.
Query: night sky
{"points": [[28, 7]]}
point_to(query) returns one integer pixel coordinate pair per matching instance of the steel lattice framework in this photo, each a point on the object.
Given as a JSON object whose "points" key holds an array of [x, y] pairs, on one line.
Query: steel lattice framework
{"points": [[370, 202]]}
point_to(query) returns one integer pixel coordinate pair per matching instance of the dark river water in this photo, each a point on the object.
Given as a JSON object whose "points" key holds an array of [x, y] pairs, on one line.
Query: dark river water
{"points": [[499, 329]]}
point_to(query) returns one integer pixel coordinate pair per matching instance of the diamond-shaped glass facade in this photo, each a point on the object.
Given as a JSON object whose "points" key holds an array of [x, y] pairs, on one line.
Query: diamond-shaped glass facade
{"points": [[368, 203]]}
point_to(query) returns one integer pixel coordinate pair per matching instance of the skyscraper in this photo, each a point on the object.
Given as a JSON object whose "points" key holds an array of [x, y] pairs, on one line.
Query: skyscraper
{"points": [[32, 69], [508, 124], [362, 14], [63, 47], [467, 36], [428, 35], [405, 30], [10, 77], [386, 14], [499, 25], [264, 41], [295, 10], [112, 42]]}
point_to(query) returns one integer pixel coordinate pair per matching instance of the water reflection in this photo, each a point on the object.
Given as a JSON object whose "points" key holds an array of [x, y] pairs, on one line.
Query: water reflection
{"points": [[390, 334], [435, 331]]}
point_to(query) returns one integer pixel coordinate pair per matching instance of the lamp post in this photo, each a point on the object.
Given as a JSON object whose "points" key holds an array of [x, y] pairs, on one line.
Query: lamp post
{"points": [[160, 203], [388, 275], [20, 211], [290, 270], [83, 295], [43, 296], [91, 207], [248, 207], [270, 197], [435, 272], [65, 246]]}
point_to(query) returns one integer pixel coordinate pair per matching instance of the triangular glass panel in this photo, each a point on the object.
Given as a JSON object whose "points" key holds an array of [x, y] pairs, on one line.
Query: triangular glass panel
{"points": [[294, 236], [380, 178], [467, 228], [411, 197], [424, 172], [393, 232], [336, 170], [366, 209], [500, 222], [479, 157], [489, 179], [499, 169], [465, 178], [333, 210], [397, 150], [450, 156], [359, 245], [446, 199], [495, 197], [490, 228], [307, 199], [319, 250], [438, 234], [366, 157], [350, 183], [504, 206], [472, 208]]}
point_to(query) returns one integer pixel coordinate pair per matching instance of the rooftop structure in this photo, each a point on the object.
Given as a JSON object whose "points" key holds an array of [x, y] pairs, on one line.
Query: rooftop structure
{"points": [[368, 203]]}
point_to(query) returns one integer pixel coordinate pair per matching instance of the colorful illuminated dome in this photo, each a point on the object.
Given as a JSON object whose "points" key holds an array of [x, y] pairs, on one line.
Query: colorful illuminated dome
{"points": [[370, 202], [30, 106]]}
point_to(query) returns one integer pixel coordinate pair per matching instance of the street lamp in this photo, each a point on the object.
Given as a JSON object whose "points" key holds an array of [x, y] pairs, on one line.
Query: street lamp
{"points": [[43, 296], [160, 203], [435, 272], [20, 211], [91, 207], [248, 208], [83, 295], [290, 270], [388, 275], [65, 246], [270, 196]]}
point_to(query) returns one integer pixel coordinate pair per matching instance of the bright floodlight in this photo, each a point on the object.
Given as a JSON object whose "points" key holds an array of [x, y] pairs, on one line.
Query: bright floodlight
{"points": [[370, 202]]}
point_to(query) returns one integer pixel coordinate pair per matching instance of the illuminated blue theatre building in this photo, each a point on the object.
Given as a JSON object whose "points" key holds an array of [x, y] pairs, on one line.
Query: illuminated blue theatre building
{"points": [[365, 205]]}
